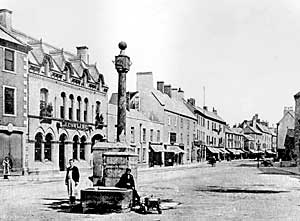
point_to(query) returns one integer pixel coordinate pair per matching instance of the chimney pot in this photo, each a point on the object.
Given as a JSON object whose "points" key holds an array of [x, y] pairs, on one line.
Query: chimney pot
{"points": [[192, 101]]}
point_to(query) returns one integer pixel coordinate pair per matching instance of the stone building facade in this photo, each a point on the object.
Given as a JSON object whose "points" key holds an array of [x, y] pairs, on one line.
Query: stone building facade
{"points": [[13, 95], [210, 131], [141, 132], [286, 122], [166, 104], [66, 100]]}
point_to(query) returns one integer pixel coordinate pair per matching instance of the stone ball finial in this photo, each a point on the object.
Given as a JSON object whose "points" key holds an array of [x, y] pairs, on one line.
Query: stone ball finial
{"points": [[122, 45]]}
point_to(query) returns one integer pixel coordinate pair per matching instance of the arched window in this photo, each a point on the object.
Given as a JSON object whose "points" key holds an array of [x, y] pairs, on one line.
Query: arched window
{"points": [[71, 107], [85, 111], [38, 147], [98, 107], [48, 147], [43, 101], [78, 111], [75, 147], [82, 148], [63, 107]]}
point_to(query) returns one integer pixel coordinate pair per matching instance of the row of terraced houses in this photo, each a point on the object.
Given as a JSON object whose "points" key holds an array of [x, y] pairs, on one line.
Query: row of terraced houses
{"points": [[55, 106]]}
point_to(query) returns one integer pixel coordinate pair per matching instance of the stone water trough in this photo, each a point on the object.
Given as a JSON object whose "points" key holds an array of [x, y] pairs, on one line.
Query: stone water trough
{"points": [[110, 162]]}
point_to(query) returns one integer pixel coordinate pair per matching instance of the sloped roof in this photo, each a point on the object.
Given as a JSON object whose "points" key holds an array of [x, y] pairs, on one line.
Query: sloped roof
{"points": [[210, 114], [288, 113], [248, 137], [249, 130], [59, 56], [4, 34], [173, 104]]}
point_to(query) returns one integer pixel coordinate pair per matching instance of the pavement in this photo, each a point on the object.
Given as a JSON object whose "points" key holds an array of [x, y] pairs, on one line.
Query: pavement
{"points": [[58, 176]]}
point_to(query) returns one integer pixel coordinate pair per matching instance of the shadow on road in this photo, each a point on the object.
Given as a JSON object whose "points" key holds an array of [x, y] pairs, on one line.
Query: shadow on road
{"points": [[62, 205], [274, 171], [220, 189]]}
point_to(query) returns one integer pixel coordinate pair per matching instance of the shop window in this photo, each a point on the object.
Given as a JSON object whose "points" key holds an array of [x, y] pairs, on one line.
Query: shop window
{"points": [[38, 147], [9, 60], [9, 100], [48, 147]]}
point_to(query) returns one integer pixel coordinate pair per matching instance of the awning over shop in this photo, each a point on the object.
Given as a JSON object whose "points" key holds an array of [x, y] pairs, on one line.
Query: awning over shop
{"points": [[157, 147], [234, 151], [213, 150], [223, 150], [254, 151], [270, 152], [174, 149]]}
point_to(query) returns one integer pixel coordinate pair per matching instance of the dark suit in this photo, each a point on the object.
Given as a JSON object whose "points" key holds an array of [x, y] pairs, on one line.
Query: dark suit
{"points": [[127, 181], [75, 174]]}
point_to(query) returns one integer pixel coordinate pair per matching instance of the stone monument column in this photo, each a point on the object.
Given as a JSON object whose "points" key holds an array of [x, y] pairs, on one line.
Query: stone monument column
{"points": [[122, 65], [297, 127]]}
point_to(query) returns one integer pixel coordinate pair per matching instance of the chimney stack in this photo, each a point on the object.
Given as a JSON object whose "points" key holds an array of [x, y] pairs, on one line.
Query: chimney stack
{"points": [[180, 94], [174, 93], [5, 18], [254, 120], [167, 90], [191, 101], [215, 111], [160, 86], [82, 52]]}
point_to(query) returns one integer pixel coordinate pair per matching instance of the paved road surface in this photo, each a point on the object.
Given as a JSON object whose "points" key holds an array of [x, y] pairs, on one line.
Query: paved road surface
{"points": [[229, 191]]}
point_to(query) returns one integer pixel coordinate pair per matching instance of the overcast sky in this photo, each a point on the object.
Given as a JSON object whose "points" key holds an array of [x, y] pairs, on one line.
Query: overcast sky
{"points": [[245, 52]]}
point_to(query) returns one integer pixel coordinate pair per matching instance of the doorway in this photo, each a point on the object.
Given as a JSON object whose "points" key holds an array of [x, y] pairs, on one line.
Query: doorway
{"points": [[62, 163]]}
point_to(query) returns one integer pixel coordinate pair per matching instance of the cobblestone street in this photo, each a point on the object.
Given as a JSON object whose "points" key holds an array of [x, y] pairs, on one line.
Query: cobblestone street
{"points": [[229, 191]]}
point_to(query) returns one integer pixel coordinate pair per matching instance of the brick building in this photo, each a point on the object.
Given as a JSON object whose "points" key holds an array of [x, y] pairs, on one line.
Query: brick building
{"points": [[13, 95], [66, 104]]}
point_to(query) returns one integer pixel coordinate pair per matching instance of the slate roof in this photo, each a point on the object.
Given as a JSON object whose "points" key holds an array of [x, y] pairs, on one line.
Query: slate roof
{"points": [[172, 104], [40, 49]]}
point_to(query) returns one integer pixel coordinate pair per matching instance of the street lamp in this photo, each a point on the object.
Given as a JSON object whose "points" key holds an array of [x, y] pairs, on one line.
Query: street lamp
{"points": [[258, 153]]}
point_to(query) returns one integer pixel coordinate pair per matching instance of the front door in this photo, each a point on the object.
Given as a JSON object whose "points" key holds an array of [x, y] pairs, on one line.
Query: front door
{"points": [[62, 156]]}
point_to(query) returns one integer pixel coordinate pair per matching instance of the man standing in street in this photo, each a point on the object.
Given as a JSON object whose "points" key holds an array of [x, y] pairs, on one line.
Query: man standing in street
{"points": [[127, 181], [72, 181]]}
